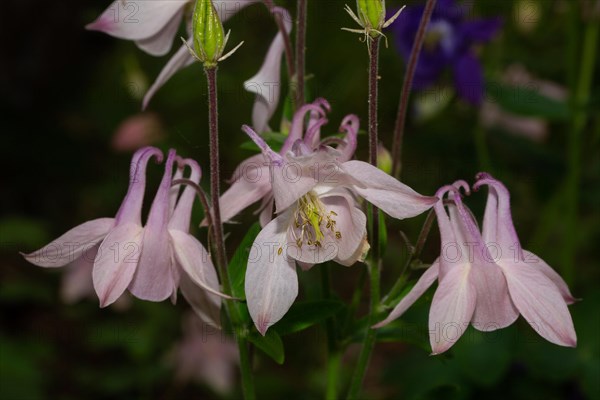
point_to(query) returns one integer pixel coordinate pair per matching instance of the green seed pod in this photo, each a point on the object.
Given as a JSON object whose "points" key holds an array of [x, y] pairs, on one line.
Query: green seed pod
{"points": [[208, 32]]}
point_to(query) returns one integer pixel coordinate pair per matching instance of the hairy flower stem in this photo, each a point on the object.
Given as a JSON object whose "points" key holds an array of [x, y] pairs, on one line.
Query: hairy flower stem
{"points": [[217, 229], [574, 146], [300, 52], [374, 267], [407, 87]]}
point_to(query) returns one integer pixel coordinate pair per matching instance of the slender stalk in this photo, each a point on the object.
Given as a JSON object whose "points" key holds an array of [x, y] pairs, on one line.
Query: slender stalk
{"points": [[370, 336], [246, 372], [300, 52], [217, 228], [374, 267], [287, 42], [574, 145], [407, 86], [215, 178], [333, 353]]}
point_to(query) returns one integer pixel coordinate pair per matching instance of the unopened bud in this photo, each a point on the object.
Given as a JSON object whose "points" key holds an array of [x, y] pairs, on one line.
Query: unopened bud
{"points": [[209, 36], [371, 13], [384, 159]]}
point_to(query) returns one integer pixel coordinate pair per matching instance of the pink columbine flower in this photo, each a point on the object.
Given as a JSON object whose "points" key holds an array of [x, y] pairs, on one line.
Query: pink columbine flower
{"points": [[148, 260], [153, 25], [251, 179], [317, 220], [487, 280]]}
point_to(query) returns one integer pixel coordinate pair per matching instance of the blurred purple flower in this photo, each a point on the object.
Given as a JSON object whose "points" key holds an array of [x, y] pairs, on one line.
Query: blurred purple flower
{"points": [[449, 42]]}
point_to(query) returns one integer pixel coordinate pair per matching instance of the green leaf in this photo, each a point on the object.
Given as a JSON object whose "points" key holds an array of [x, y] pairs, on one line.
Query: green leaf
{"points": [[528, 101], [303, 315], [239, 261], [275, 141], [270, 344]]}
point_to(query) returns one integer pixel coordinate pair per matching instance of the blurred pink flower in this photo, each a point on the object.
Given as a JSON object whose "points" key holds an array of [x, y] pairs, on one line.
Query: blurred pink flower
{"points": [[138, 131], [205, 355]]}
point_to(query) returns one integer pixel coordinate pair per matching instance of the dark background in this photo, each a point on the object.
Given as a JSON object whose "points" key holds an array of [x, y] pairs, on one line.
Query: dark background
{"points": [[65, 91]]}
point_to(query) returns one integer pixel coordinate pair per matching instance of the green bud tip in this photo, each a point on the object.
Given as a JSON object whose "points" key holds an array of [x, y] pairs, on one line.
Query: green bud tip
{"points": [[209, 36], [371, 13]]}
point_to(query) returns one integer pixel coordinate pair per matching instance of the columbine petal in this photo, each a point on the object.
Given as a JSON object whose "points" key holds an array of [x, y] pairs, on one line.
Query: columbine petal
{"points": [[535, 261], [424, 282], [482, 30], [352, 225], [494, 308], [206, 305], [248, 189], [71, 245], [540, 302], [385, 192], [451, 309], [300, 174], [136, 20], [195, 261], [160, 43], [317, 110], [271, 281], [116, 262], [154, 277], [131, 208], [181, 59], [77, 279], [266, 84]]}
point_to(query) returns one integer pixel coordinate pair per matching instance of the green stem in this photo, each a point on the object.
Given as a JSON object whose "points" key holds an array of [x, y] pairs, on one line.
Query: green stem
{"points": [[220, 258], [574, 146], [333, 353], [333, 371], [370, 336]]}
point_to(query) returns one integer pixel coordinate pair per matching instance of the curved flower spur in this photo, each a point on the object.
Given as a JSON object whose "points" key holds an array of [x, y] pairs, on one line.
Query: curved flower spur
{"points": [[147, 260], [317, 220], [480, 283]]}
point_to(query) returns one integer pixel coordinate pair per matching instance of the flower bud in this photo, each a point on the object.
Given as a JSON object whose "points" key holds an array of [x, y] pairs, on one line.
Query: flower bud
{"points": [[209, 37], [371, 13], [384, 159]]}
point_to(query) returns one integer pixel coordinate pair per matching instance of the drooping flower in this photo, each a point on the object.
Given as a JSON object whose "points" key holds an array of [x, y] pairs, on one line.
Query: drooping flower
{"points": [[481, 284], [317, 220], [152, 260], [251, 180], [153, 26], [449, 42]]}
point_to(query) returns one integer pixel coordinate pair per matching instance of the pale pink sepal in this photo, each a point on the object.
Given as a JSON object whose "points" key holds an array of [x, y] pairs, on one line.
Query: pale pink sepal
{"points": [[266, 84], [424, 282], [137, 20], [116, 262], [271, 281], [540, 302], [71, 245], [390, 195], [451, 309]]}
